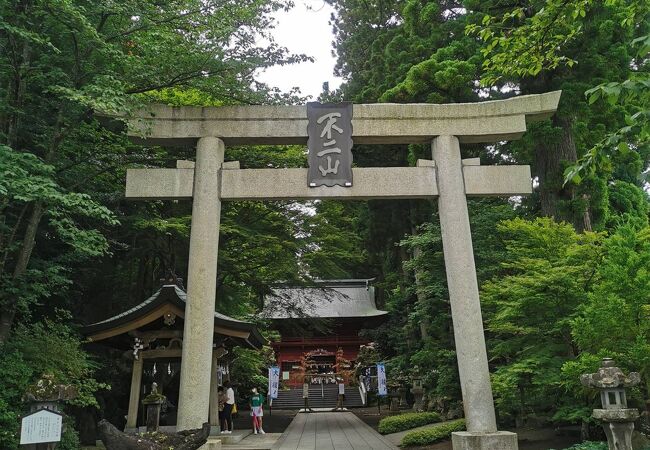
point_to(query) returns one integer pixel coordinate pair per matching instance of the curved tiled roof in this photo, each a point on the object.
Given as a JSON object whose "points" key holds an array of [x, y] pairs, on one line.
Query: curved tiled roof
{"points": [[325, 299], [174, 295]]}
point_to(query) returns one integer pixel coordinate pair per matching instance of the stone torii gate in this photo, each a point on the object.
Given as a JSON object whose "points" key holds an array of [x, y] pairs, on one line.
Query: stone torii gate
{"points": [[210, 180]]}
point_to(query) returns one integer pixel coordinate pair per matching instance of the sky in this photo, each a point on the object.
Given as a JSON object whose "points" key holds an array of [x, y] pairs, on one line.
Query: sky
{"points": [[304, 29]]}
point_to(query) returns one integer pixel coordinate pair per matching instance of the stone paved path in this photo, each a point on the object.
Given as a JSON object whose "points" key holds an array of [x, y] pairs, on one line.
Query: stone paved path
{"points": [[331, 431]]}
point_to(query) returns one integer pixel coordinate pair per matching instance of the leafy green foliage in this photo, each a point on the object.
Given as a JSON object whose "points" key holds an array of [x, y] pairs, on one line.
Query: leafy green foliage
{"points": [[70, 437], [248, 371], [546, 273], [522, 40], [613, 320], [432, 435], [61, 181], [520, 45], [632, 138], [60, 63], [42, 348], [588, 445], [563, 302], [554, 44], [406, 421], [333, 244]]}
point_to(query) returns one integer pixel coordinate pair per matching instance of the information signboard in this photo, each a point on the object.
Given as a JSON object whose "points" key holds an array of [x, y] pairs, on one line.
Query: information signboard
{"points": [[40, 427]]}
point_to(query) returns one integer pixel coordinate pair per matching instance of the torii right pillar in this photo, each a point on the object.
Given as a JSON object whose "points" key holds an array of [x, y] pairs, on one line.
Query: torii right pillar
{"points": [[462, 283]]}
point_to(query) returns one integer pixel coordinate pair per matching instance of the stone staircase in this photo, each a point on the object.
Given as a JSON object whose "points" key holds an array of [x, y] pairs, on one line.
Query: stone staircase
{"points": [[320, 396]]}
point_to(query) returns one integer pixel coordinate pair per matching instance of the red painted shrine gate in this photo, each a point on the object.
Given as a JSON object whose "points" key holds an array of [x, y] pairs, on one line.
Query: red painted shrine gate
{"points": [[319, 320]]}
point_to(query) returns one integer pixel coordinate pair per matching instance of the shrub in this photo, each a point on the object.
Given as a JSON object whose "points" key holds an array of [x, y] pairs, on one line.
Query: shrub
{"points": [[70, 437], [433, 434], [394, 424], [588, 445]]}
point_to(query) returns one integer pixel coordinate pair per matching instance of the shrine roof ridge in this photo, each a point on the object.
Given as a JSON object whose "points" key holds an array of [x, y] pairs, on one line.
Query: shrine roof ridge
{"points": [[317, 282]]}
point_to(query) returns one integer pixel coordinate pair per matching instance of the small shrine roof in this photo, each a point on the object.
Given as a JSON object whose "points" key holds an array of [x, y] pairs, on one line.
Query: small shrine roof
{"points": [[324, 299], [170, 298]]}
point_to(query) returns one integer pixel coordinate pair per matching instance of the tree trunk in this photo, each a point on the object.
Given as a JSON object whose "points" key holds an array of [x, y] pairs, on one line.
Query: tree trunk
{"points": [[421, 300], [17, 86], [9, 312], [550, 161], [29, 240]]}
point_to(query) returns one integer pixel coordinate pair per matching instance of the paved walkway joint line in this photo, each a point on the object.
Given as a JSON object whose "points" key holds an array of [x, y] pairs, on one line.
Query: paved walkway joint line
{"points": [[331, 431]]}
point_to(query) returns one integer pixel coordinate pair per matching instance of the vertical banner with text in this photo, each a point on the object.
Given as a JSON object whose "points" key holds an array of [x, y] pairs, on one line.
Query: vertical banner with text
{"points": [[382, 389], [330, 144], [274, 381]]}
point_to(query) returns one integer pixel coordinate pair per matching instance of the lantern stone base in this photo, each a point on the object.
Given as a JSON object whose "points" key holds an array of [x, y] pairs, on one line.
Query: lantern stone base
{"points": [[618, 425], [499, 440]]}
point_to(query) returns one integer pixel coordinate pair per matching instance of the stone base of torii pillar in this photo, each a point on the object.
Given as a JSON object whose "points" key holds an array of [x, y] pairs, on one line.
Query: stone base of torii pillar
{"points": [[499, 440]]}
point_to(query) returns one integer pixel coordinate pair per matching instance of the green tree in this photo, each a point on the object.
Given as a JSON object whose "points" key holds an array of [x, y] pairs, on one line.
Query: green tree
{"points": [[333, 240], [529, 307], [614, 319], [26, 182], [584, 48], [62, 60]]}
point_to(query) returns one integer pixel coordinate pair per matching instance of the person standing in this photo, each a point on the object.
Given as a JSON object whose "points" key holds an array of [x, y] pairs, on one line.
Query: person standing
{"points": [[227, 407], [257, 411], [305, 396], [221, 402], [341, 386]]}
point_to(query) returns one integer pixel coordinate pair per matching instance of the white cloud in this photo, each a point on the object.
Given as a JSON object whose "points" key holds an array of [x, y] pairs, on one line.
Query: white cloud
{"points": [[304, 29]]}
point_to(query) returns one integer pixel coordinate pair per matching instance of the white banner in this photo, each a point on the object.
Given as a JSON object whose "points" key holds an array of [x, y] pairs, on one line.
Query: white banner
{"points": [[381, 379], [274, 381]]}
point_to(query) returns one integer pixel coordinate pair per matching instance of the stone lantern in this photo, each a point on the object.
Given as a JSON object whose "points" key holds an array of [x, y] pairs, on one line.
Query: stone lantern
{"points": [[153, 403], [617, 417], [418, 393]]}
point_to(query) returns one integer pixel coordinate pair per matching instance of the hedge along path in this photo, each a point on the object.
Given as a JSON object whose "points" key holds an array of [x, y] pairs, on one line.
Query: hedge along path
{"points": [[431, 434], [407, 421], [397, 438]]}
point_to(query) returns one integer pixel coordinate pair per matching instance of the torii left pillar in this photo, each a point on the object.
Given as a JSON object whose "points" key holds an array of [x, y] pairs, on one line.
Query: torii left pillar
{"points": [[193, 403]]}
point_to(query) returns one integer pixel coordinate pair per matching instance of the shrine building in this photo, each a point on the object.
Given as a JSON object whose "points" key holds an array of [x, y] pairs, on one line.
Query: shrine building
{"points": [[151, 335], [319, 320]]}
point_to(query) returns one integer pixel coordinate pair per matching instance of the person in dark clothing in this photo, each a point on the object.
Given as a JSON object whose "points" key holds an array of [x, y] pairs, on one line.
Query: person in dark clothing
{"points": [[227, 407], [221, 399]]}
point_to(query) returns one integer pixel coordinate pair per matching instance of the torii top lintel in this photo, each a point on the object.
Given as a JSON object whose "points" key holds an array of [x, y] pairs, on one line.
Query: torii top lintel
{"points": [[381, 123]]}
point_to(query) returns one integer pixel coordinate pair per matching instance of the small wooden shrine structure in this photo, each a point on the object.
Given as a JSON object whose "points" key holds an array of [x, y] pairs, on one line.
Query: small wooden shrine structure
{"points": [[320, 320], [152, 331]]}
